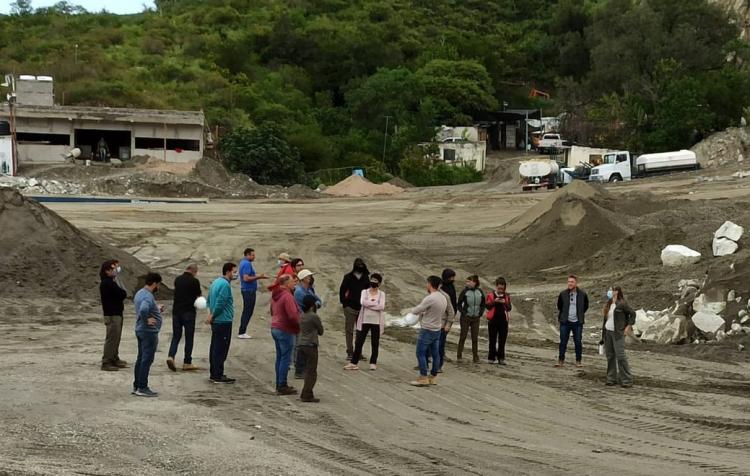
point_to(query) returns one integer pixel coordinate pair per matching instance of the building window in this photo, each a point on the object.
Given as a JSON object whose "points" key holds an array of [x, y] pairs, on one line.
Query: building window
{"points": [[449, 154], [183, 144], [43, 139], [149, 143]]}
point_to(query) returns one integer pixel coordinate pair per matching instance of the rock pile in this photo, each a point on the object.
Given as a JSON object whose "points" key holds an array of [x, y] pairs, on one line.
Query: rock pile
{"points": [[33, 186], [726, 238], [723, 149]]}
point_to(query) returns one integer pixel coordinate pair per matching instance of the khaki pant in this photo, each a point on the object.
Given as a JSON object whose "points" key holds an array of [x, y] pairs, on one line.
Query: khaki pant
{"points": [[469, 324], [614, 347], [112, 340], [351, 316]]}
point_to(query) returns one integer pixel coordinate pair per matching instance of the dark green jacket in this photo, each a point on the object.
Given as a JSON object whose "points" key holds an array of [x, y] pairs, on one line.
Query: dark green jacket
{"points": [[624, 316]]}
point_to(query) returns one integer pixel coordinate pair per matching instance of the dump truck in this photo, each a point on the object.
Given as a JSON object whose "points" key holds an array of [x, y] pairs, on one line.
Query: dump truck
{"points": [[542, 173], [622, 165]]}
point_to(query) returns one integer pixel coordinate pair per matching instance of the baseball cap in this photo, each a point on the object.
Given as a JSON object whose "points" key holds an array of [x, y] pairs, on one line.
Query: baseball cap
{"points": [[304, 274], [285, 257]]}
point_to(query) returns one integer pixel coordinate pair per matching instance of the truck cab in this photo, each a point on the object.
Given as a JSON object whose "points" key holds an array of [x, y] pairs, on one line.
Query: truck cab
{"points": [[615, 167]]}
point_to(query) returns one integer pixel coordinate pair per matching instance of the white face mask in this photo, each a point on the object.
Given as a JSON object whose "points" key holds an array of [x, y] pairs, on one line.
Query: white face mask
{"points": [[280, 263], [118, 269], [235, 276]]}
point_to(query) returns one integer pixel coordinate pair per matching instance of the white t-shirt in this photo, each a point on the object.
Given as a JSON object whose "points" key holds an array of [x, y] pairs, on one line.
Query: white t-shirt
{"points": [[610, 325]]}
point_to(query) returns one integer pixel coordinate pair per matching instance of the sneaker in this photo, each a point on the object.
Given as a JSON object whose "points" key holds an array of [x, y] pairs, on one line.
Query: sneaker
{"points": [[373, 367], [491, 361], [351, 366], [560, 363], [501, 362], [310, 400], [170, 364], [626, 385], [121, 364], [611, 384], [110, 367], [286, 391], [190, 367], [132, 392], [421, 381], [579, 364], [244, 336], [223, 379], [146, 392]]}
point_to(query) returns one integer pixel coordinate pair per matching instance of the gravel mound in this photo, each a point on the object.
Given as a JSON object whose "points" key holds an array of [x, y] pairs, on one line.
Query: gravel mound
{"points": [[44, 254], [356, 186]]}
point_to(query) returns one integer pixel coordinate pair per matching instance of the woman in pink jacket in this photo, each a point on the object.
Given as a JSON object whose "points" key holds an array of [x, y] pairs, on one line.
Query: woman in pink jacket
{"points": [[371, 319]]}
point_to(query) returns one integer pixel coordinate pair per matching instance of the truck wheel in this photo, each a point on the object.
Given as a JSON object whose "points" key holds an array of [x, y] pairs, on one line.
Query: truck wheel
{"points": [[550, 186], [526, 189], [615, 178]]}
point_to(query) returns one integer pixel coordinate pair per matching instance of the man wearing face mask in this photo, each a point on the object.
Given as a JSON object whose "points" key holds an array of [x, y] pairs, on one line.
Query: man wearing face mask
{"points": [[285, 267], [350, 292], [117, 275], [221, 314]]}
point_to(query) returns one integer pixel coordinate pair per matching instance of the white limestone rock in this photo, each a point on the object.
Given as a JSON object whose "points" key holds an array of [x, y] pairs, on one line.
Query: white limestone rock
{"points": [[708, 322], [729, 230], [723, 247], [679, 255]]}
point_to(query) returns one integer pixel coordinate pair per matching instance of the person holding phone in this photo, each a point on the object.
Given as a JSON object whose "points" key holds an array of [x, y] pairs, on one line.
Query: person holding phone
{"points": [[618, 322], [147, 326], [498, 317]]}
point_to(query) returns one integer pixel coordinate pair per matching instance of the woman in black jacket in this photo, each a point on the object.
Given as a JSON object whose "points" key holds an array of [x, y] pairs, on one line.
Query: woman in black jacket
{"points": [[113, 297], [618, 322]]}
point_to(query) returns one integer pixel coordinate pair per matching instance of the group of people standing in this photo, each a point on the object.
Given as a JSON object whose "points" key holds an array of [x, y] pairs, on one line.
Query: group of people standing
{"points": [[296, 326]]}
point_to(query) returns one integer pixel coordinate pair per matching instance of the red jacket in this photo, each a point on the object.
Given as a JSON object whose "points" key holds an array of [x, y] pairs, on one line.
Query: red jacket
{"points": [[284, 311], [286, 269], [493, 307]]}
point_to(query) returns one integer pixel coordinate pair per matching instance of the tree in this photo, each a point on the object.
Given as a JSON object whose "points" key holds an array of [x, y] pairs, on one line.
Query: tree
{"points": [[263, 154], [21, 7]]}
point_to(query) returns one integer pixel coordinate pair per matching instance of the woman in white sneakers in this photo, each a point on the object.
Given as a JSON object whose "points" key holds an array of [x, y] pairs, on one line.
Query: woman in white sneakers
{"points": [[371, 319]]}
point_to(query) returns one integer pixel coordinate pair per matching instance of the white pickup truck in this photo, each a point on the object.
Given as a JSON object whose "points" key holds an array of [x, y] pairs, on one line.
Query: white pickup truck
{"points": [[622, 165], [550, 143]]}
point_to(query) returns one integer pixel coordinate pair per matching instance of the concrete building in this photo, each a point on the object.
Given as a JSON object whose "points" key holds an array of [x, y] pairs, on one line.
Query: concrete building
{"points": [[463, 146], [45, 133]]}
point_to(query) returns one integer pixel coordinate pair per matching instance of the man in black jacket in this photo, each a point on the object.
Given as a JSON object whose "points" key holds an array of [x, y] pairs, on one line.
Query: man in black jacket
{"points": [[350, 293], [187, 289], [113, 297], [572, 305], [449, 288]]}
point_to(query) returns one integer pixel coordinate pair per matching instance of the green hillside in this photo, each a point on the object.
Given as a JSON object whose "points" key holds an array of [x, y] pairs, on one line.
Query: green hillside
{"points": [[324, 74]]}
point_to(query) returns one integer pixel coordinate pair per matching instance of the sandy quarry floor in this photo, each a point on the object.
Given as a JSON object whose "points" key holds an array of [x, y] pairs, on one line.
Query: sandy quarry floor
{"points": [[59, 414]]}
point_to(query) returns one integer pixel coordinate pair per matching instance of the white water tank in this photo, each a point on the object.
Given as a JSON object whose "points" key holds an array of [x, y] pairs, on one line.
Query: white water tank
{"points": [[538, 168]]}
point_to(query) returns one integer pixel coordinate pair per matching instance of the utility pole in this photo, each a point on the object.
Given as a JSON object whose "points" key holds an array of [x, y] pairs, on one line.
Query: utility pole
{"points": [[526, 139], [385, 138]]}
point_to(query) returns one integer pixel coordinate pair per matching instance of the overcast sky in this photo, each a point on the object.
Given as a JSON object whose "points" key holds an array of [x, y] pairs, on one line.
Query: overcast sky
{"points": [[113, 6]]}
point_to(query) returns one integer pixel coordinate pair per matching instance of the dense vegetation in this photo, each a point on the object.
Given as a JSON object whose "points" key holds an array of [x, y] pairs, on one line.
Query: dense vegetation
{"points": [[324, 74]]}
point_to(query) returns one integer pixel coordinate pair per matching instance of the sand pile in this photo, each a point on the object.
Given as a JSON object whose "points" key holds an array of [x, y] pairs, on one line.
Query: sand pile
{"points": [[399, 182], [43, 254], [560, 230], [356, 186]]}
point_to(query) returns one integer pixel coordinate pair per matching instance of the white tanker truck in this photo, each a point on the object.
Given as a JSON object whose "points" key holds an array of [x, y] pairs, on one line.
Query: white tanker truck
{"points": [[543, 173]]}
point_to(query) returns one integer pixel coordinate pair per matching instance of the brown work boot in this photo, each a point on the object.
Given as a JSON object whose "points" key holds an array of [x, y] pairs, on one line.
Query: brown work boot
{"points": [[309, 399], [432, 379], [170, 364], [190, 367], [579, 364], [108, 367], [286, 391], [422, 381], [120, 364], [560, 363]]}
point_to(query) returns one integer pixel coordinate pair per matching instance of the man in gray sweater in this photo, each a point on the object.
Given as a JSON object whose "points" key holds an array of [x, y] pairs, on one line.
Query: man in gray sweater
{"points": [[432, 311]]}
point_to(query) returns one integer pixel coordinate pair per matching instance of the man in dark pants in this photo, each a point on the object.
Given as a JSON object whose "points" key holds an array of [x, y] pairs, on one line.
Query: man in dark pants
{"points": [[112, 296], [187, 289], [307, 344], [249, 287], [449, 288], [572, 305], [221, 315], [350, 293]]}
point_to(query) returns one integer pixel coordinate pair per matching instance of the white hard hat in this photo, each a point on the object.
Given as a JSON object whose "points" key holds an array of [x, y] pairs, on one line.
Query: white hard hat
{"points": [[200, 303], [304, 274]]}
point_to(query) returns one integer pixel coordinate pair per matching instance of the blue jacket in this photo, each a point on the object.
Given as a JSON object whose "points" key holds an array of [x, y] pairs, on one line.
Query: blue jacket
{"points": [[299, 295], [220, 301], [145, 307]]}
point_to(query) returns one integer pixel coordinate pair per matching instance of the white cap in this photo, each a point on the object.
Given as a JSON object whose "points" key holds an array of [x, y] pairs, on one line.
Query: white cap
{"points": [[304, 274]]}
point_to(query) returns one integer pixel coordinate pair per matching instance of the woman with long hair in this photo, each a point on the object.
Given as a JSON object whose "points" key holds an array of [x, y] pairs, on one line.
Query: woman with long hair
{"points": [[618, 322]]}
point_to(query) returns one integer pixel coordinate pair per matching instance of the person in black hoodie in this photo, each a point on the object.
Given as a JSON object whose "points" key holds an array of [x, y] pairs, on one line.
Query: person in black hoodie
{"points": [[187, 289], [350, 292], [113, 297], [448, 276]]}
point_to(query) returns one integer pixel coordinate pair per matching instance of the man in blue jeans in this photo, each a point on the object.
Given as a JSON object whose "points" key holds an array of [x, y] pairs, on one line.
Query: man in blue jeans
{"points": [[147, 325], [431, 311], [285, 319], [249, 288], [572, 305]]}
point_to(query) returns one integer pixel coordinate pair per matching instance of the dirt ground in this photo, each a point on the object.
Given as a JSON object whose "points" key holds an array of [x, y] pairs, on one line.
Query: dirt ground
{"points": [[686, 414]]}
